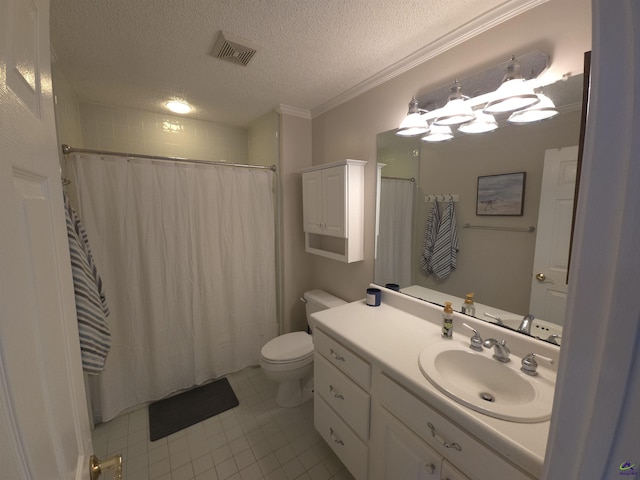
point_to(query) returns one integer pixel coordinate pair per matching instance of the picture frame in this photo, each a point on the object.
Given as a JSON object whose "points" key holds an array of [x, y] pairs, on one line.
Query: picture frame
{"points": [[501, 195]]}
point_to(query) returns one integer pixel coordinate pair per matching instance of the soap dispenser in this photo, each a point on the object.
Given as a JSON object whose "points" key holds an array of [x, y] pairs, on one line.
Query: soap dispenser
{"points": [[468, 308], [447, 321]]}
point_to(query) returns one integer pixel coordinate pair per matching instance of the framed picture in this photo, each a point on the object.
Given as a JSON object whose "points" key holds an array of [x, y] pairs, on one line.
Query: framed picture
{"points": [[501, 194]]}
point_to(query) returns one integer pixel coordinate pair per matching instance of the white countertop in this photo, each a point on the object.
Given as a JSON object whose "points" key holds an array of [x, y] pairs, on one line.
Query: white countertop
{"points": [[392, 336]]}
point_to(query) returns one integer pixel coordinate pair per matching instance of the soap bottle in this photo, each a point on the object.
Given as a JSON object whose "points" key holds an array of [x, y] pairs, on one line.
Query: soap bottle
{"points": [[468, 308], [447, 321]]}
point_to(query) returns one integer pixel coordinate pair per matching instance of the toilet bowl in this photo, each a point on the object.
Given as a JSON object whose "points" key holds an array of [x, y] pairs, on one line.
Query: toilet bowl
{"points": [[288, 359]]}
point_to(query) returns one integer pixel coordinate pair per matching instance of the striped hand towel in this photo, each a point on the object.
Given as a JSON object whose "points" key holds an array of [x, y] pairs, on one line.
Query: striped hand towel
{"points": [[91, 304], [445, 251], [430, 235]]}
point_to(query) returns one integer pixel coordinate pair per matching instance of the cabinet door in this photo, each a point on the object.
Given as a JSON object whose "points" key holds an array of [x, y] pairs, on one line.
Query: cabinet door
{"points": [[312, 201], [405, 456], [334, 201], [451, 473]]}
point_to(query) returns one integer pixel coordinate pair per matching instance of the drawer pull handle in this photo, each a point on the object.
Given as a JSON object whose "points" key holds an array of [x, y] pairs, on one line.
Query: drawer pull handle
{"points": [[431, 468], [332, 434], [336, 356], [333, 392], [444, 443]]}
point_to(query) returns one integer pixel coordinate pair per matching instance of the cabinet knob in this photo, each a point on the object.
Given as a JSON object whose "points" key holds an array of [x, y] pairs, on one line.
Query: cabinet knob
{"points": [[431, 468]]}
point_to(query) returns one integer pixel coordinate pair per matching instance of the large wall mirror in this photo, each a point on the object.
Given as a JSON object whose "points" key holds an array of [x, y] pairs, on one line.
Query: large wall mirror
{"points": [[515, 264]]}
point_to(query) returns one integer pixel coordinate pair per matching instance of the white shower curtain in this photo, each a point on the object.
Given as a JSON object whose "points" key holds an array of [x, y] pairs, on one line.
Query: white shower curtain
{"points": [[186, 253], [393, 262]]}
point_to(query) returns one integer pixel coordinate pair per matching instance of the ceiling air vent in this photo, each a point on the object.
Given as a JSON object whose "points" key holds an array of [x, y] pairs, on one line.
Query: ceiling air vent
{"points": [[232, 48]]}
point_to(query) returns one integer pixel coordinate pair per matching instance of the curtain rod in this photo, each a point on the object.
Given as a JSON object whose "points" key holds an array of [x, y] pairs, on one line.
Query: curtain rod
{"points": [[66, 149]]}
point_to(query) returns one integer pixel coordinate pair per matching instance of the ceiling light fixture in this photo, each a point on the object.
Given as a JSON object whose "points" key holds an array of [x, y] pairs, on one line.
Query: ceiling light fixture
{"points": [[542, 110], [483, 123], [457, 110], [513, 94], [414, 123], [177, 106], [438, 133]]}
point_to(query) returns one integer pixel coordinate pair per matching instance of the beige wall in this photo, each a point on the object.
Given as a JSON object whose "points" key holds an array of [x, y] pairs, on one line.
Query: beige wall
{"points": [[67, 109], [560, 29], [297, 278], [135, 131], [263, 142]]}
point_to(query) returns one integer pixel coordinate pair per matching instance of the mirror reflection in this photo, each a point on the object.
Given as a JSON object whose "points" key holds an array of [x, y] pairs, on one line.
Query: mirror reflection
{"points": [[514, 265]]}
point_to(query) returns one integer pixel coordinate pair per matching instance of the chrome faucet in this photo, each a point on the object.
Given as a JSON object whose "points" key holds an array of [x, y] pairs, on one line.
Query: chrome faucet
{"points": [[525, 325], [500, 350]]}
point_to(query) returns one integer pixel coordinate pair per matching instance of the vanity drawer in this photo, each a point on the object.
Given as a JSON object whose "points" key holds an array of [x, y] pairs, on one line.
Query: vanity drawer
{"points": [[342, 440], [348, 400], [472, 457], [343, 358]]}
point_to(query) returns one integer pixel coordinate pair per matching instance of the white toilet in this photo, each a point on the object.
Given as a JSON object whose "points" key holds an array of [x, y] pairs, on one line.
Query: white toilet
{"points": [[288, 359]]}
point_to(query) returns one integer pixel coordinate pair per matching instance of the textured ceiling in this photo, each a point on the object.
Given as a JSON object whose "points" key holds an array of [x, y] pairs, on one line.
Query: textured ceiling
{"points": [[141, 53]]}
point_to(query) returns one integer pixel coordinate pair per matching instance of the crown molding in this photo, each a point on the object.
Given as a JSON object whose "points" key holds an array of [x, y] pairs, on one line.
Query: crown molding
{"points": [[475, 27], [293, 111]]}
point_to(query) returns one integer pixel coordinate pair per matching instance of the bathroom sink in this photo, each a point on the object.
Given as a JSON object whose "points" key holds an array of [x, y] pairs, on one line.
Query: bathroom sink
{"points": [[478, 381]]}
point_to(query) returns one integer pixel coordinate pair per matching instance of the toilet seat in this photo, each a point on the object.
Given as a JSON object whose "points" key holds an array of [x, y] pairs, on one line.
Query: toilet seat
{"points": [[288, 348]]}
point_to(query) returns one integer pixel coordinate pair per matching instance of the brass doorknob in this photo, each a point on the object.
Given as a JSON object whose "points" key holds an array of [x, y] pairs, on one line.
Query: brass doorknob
{"points": [[541, 276], [96, 466]]}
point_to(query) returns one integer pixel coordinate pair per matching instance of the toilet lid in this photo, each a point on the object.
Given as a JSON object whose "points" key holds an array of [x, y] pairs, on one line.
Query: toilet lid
{"points": [[288, 347]]}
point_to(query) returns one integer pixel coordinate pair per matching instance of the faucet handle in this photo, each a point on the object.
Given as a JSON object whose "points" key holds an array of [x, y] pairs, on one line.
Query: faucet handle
{"points": [[476, 339], [495, 317], [529, 364]]}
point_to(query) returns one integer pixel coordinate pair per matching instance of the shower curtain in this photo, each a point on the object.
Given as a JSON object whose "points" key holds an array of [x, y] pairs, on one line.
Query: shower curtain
{"points": [[393, 262], [187, 256]]}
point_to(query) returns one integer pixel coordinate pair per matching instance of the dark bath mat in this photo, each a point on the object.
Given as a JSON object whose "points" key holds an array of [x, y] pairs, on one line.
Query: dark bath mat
{"points": [[175, 413]]}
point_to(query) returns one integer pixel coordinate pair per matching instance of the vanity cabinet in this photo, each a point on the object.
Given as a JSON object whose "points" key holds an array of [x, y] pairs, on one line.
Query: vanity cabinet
{"points": [[342, 401], [438, 434], [333, 210], [382, 431]]}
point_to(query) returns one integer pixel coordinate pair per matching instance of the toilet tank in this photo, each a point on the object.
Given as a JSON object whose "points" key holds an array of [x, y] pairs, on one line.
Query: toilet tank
{"points": [[317, 300]]}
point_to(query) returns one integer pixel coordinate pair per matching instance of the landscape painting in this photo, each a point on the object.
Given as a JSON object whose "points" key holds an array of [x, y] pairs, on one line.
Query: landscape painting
{"points": [[501, 194]]}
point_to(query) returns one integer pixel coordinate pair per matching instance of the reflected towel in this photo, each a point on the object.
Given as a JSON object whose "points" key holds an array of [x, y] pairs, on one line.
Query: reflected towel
{"points": [[430, 235], [445, 251], [91, 304]]}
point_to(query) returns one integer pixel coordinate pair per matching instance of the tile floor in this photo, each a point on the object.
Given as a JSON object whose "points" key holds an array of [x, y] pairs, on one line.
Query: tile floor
{"points": [[256, 440]]}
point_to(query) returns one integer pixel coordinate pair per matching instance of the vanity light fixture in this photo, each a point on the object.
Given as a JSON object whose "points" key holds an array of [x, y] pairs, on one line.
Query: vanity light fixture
{"points": [[177, 106], [438, 133], [483, 123], [414, 123], [457, 110], [515, 93], [540, 111]]}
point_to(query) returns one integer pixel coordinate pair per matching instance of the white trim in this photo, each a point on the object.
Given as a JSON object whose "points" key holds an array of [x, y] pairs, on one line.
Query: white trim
{"points": [[475, 27], [293, 111], [594, 426]]}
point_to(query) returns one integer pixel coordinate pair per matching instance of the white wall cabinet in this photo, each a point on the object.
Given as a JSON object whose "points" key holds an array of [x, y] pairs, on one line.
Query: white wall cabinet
{"points": [[333, 210]]}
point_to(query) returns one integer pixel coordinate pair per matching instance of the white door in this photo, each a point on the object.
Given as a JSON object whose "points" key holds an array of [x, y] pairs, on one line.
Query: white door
{"points": [[551, 259], [44, 425], [334, 201], [404, 455], [312, 201]]}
